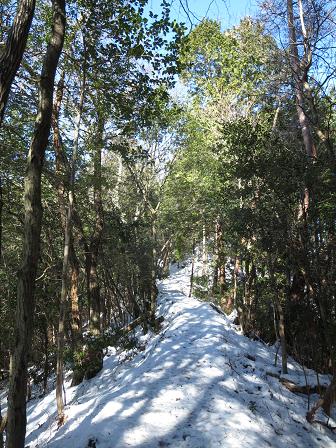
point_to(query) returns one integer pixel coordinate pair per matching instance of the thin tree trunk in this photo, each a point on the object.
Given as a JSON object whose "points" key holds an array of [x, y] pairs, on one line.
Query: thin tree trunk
{"points": [[299, 76], [222, 280], [95, 324], [46, 358], [68, 257], [192, 269], [11, 55], [154, 291], [204, 252], [216, 256], [64, 294], [281, 319], [75, 317], [300, 73], [235, 282], [94, 290], [32, 232]]}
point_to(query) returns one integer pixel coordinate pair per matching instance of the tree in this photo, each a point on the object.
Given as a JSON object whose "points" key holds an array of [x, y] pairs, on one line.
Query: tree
{"points": [[32, 229], [11, 54]]}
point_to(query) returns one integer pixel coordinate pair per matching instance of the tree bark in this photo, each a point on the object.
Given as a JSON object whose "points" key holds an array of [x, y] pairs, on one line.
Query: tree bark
{"points": [[154, 290], [64, 294], [69, 255], [92, 257], [75, 316], [216, 256], [11, 56], [281, 319], [32, 232], [300, 71], [235, 281]]}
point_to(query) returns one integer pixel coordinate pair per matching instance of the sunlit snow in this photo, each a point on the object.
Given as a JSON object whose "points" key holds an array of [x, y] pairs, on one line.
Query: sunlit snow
{"points": [[192, 386]]}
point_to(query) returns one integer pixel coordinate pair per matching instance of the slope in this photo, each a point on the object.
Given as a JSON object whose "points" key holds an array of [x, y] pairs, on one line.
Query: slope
{"points": [[199, 383]]}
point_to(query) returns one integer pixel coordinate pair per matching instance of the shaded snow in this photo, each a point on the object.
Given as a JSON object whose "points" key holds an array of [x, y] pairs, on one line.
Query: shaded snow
{"points": [[192, 386]]}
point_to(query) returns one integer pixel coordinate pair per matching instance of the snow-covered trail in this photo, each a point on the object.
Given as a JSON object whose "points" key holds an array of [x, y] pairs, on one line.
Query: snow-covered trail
{"points": [[192, 386]]}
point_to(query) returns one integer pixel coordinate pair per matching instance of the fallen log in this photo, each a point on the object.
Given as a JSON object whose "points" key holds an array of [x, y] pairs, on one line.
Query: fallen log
{"points": [[217, 308], [131, 325], [306, 390], [297, 389], [274, 375]]}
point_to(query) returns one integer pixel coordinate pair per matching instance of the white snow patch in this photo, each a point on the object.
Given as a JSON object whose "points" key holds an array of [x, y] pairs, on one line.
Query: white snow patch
{"points": [[192, 386]]}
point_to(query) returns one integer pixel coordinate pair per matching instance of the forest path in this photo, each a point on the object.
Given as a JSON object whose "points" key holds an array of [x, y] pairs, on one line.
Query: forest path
{"points": [[192, 386]]}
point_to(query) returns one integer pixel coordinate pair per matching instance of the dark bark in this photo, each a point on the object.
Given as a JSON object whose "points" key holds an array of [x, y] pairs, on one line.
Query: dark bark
{"points": [[75, 316], [32, 232], [46, 358], [300, 73], [280, 316], [92, 256], [11, 56], [94, 291], [60, 338], [64, 179], [154, 290], [235, 281]]}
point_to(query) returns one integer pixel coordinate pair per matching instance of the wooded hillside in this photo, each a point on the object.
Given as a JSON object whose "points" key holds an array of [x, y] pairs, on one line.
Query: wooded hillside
{"points": [[127, 141]]}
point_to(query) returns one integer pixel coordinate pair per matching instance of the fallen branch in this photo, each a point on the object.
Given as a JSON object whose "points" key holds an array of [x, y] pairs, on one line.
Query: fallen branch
{"points": [[306, 390], [295, 388], [216, 308], [274, 375], [131, 325]]}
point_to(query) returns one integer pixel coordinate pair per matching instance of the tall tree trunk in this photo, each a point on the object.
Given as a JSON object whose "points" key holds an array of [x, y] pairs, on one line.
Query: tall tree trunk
{"points": [[93, 283], [11, 56], [300, 70], [32, 232], [64, 294], [75, 316], [69, 255]]}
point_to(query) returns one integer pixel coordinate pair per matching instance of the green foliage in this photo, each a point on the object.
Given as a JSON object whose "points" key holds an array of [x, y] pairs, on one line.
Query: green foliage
{"points": [[241, 165]]}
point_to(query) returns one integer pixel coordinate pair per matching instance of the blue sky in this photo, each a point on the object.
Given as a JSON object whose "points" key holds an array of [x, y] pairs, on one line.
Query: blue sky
{"points": [[228, 12]]}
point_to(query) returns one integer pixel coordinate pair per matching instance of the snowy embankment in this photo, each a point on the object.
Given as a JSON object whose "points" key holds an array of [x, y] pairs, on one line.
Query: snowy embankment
{"points": [[197, 384]]}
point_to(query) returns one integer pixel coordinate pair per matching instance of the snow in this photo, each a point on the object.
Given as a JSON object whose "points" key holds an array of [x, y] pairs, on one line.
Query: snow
{"points": [[192, 386]]}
